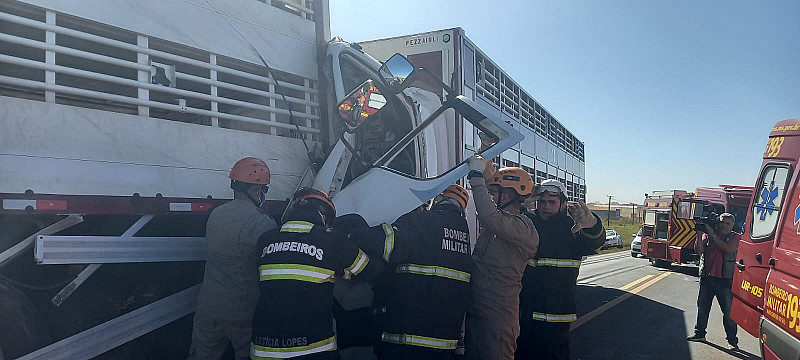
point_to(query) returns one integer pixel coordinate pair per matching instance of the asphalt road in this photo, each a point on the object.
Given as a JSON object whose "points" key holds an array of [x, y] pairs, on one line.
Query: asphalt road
{"points": [[628, 309]]}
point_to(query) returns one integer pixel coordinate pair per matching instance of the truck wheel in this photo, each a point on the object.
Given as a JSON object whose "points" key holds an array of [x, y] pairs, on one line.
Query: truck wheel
{"points": [[21, 324]]}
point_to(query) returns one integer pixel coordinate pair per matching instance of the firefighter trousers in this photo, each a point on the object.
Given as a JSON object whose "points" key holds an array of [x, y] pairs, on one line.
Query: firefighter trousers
{"points": [[210, 337], [403, 352], [542, 340], [490, 339]]}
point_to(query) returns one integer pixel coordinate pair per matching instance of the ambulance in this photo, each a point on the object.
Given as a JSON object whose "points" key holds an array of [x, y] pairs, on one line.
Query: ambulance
{"points": [[766, 284]]}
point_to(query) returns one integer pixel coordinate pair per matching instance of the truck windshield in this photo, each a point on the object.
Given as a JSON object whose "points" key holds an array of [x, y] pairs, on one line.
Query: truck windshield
{"points": [[740, 213]]}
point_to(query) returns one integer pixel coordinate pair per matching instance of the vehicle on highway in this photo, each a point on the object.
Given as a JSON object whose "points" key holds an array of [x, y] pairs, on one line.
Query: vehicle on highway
{"points": [[612, 239], [636, 244], [142, 121], [765, 285], [668, 233]]}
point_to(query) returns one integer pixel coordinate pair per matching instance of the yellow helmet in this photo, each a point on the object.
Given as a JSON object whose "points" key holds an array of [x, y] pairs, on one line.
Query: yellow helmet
{"points": [[513, 177], [457, 192]]}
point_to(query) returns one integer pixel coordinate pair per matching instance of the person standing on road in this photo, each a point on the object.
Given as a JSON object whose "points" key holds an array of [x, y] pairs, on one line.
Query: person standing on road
{"points": [[717, 245], [567, 232], [229, 291], [299, 264], [428, 288], [505, 244]]}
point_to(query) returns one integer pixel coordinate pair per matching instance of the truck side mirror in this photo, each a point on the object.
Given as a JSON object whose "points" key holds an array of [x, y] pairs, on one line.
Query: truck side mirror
{"points": [[360, 104], [396, 72]]}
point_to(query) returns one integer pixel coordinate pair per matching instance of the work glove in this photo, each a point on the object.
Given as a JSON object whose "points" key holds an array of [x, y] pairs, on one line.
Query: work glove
{"points": [[580, 215], [477, 163]]}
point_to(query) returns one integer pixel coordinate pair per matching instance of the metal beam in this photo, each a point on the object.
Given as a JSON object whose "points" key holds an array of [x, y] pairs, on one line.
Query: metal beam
{"points": [[16, 250], [120, 330], [114, 249], [72, 286]]}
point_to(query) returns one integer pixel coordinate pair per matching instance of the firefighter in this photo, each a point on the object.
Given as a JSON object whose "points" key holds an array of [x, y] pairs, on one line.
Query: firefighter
{"points": [[505, 244], [230, 284], [428, 288], [299, 264], [567, 232]]}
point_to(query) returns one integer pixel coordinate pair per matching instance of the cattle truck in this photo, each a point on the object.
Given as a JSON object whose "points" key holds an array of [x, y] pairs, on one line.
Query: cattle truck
{"points": [[119, 122], [549, 150]]}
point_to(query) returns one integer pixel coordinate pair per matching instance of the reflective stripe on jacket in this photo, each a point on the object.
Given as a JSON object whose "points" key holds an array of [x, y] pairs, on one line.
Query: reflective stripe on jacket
{"points": [[299, 263], [550, 281], [428, 291]]}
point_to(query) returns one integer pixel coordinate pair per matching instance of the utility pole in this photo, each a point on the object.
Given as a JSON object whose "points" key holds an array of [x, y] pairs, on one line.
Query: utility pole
{"points": [[608, 214]]}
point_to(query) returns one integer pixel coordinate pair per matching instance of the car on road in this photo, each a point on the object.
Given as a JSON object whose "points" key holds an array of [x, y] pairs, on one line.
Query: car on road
{"points": [[636, 244], [612, 240]]}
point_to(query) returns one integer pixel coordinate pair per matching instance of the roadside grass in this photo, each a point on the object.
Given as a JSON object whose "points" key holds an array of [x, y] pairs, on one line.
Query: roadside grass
{"points": [[624, 228]]}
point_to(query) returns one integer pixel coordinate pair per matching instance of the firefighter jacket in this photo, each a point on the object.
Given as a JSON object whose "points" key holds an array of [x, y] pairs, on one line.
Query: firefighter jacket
{"points": [[550, 281], [502, 250], [230, 282], [298, 266], [428, 255]]}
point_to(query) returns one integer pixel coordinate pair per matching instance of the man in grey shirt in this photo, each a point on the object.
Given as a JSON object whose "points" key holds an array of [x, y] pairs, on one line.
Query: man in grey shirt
{"points": [[229, 293]]}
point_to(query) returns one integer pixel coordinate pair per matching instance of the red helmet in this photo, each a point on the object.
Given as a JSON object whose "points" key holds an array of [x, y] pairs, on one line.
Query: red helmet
{"points": [[250, 170], [309, 193]]}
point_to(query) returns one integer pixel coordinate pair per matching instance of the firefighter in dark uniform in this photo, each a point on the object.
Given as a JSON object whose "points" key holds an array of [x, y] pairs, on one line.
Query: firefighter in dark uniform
{"points": [[567, 232], [429, 259], [299, 264]]}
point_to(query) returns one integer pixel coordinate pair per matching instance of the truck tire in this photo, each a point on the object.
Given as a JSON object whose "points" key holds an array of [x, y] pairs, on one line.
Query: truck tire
{"points": [[23, 328]]}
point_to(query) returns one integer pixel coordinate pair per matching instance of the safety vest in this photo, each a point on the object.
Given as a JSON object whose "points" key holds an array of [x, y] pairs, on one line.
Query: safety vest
{"points": [[429, 252], [299, 264], [549, 284]]}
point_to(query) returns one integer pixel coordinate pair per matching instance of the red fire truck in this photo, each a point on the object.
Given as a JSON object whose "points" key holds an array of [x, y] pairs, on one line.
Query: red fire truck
{"points": [[767, 283], [668, 233]]}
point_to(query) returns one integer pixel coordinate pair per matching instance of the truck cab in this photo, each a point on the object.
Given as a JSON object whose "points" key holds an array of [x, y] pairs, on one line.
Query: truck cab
{"points": [[766, 284]]}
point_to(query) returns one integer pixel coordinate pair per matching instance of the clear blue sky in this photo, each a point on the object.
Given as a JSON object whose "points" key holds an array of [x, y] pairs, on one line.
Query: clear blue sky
{"points": [[665, 94]]}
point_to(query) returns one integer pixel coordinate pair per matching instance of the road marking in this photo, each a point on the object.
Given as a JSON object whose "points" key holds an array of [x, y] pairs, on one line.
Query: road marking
{"points": [[635, 282], [592, 314]]}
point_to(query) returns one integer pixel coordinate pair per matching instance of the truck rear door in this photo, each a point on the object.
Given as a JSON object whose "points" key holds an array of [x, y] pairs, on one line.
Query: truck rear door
{"points": [[755, 255]]}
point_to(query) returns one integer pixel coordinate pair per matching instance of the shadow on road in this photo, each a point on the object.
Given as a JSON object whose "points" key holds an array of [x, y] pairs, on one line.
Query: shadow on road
{"points": [[689, 270], [642, 329], [739, 354]]}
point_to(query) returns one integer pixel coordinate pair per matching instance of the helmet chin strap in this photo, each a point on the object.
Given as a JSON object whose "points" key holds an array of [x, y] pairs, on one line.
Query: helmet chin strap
{"points": [[512, 201]]}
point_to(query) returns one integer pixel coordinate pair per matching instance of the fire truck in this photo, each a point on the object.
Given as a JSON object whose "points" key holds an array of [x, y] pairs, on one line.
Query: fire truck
{"points": [[668, 232], [766, 283], [119, 122]]}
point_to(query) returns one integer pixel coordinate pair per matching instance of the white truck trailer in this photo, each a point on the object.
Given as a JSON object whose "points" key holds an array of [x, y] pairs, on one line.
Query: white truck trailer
{"points": [[119, 122], [549, 151]]}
